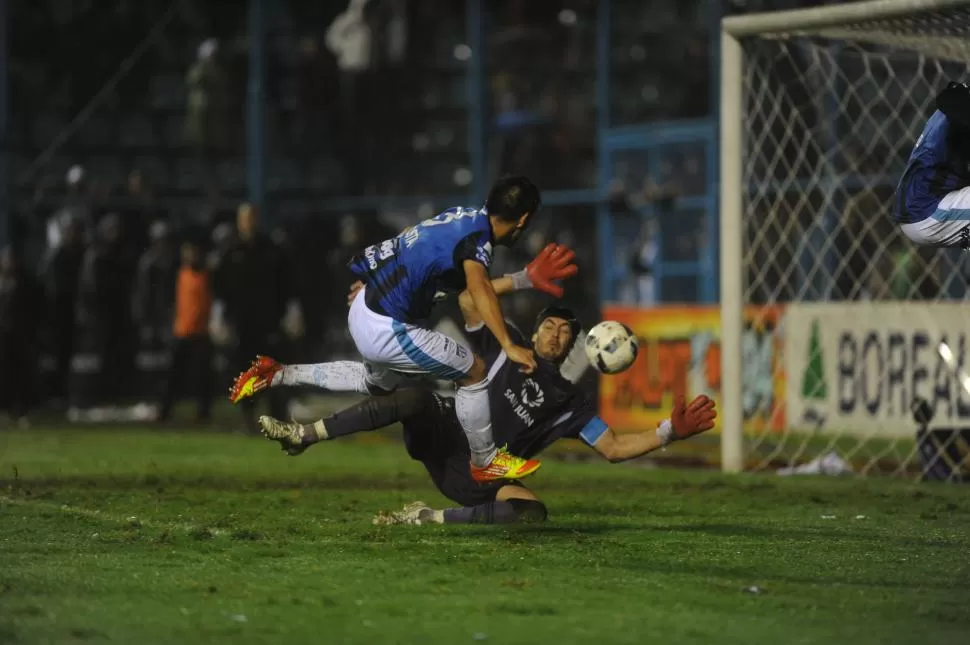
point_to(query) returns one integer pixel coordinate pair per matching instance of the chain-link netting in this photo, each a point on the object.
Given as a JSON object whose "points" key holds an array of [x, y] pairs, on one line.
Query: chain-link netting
{"points": [[830, 118]]}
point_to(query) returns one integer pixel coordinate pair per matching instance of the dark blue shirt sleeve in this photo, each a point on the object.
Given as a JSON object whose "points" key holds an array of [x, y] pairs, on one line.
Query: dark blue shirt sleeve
{"points": [[475, 247]]}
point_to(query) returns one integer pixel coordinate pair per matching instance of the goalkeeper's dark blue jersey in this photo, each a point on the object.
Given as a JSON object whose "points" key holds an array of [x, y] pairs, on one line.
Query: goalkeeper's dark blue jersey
{"points": [[936, 166], [403, 274], [532, 411], [529, 412]]}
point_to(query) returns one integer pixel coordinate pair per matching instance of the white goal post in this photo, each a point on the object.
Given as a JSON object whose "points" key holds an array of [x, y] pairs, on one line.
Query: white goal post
{"points": [[830, 319]]}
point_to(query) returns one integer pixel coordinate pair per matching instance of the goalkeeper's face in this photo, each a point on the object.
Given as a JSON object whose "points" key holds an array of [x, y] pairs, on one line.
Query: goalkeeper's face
{"points": [[553, 339]]}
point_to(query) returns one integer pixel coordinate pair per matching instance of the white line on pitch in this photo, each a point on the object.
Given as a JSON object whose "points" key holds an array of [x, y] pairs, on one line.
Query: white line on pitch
{"points": [[107, 517]]}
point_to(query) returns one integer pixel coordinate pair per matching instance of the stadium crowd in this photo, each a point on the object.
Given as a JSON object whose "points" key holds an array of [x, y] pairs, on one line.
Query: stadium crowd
{"points": [[128, 218]]}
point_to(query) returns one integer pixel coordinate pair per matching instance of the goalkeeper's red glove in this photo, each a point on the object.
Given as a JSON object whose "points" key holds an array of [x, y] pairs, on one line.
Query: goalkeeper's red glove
{"points": [[555, 262], [695, 418]]}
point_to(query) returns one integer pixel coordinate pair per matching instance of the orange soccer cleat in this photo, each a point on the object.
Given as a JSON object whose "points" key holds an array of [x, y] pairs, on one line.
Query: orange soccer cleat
{"points": [[258, 377], [505, 466]]}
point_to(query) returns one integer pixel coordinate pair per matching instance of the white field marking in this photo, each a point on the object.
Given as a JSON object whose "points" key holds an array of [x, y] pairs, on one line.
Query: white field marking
{"points": [[78, 511], [947, 355]]}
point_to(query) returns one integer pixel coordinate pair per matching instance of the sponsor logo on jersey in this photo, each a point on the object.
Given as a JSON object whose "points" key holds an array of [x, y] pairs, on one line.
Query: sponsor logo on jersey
{"points": [[451, 347], [531, 396], [484, 253]]}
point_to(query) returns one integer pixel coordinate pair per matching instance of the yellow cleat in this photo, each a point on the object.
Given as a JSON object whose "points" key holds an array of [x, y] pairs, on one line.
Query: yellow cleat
{"points": [[505, 466]]}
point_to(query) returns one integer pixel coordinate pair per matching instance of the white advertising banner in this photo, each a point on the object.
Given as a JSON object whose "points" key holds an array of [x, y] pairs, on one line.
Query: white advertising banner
{"points": [[855, 368]]}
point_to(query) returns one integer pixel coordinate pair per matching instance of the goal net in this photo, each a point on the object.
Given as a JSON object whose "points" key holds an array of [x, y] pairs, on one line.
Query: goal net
{"points": [[832, 321]]}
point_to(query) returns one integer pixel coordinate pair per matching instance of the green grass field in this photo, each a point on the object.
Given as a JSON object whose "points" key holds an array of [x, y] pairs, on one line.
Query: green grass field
{"points": [[142, 537]]}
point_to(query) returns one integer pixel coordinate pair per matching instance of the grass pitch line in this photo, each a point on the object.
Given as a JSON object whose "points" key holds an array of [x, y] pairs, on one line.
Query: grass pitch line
{"points": [[131, 521]]}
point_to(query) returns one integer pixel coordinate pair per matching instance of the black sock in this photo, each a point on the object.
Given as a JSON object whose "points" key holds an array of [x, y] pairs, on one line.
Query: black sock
{"points": [[505, 512]]}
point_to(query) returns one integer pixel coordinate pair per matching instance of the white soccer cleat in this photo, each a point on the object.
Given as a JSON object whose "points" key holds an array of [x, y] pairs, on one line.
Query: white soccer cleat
{"points": [[416, 513], [288, 435]]}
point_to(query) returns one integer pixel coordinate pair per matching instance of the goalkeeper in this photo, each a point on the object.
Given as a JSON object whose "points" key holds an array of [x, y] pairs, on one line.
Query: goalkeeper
{"points": [[932, 202], [531, 413]]}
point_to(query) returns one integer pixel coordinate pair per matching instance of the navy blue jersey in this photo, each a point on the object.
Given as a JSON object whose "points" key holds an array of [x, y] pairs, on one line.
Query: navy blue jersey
{"points": [[938, 165], [403, 274], [531, 411]]}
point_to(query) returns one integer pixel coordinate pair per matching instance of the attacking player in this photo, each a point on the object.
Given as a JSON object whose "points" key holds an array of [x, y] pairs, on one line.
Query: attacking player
{"points": [[933, 197], [531, 412], [401, 277]]}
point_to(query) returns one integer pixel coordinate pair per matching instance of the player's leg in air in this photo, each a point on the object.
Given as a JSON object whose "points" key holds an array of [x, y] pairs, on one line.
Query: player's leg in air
{"points": [[932, 204], [552, 265], [401, 277], [391, 347]]}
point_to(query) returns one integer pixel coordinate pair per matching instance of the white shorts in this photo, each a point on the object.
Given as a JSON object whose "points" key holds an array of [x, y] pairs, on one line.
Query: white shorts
{"points": [[949, 225], [391, 348]]}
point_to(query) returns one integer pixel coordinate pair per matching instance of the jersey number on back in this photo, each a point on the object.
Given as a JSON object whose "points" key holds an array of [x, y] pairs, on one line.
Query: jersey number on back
{"points": [[449, 216], [411, 234]]}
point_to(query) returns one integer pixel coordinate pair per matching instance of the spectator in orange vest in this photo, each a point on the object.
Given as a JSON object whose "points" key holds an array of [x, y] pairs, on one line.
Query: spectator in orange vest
{"points": [[190, 370]]}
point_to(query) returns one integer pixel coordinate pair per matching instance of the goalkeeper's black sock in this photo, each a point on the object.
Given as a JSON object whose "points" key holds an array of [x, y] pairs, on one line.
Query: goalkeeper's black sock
{"points": [[504, 512]]}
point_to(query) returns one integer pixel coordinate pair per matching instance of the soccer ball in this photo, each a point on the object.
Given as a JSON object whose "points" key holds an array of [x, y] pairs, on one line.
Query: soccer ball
{"points": [[611, 347]]}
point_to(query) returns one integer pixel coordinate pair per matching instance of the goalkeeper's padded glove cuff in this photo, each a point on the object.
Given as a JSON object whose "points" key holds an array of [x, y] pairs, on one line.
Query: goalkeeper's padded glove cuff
{"points": [[520, 280], [665, 431]]}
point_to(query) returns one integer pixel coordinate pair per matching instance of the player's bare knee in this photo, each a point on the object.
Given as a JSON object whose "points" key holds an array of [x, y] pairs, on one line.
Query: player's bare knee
{"points": [[476, 374]]}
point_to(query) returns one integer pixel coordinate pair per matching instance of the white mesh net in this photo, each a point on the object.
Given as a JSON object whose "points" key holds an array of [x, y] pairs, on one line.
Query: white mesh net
{"points": [[830, 118]]}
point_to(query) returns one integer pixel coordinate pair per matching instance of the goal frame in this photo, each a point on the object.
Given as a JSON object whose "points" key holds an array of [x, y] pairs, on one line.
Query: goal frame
{"points": [[731, 176]]}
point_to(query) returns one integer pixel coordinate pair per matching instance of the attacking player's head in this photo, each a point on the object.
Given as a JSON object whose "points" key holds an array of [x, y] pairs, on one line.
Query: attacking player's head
{"points": [[555, 333], [511, 204]]}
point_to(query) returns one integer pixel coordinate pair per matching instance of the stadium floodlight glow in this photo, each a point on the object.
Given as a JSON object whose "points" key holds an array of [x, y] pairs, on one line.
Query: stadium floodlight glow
{"points": [[819, 110]]}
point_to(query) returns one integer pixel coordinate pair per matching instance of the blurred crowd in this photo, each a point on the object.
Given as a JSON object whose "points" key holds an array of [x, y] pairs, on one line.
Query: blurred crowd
{"points": [[128, 162], [107, 321]]}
